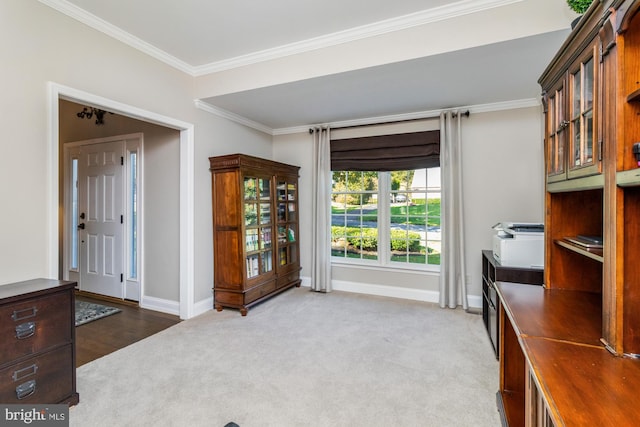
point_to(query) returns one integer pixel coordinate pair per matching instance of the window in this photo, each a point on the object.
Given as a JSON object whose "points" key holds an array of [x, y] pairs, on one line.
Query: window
{"points": [[388, 218], [132, 204], [74, 261]]}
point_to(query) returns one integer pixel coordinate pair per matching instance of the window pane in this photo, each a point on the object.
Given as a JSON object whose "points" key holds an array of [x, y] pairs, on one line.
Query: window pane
{"points": [[354, 215], [133, 215], [414, 229], [74, 214]]}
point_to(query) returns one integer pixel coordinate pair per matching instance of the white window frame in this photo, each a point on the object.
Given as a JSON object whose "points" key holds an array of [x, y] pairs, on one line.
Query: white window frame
{"points": [[384, 241]]}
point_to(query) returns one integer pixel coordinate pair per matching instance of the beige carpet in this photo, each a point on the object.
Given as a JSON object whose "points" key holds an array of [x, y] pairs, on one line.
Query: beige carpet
{"points": [[301, 359]]}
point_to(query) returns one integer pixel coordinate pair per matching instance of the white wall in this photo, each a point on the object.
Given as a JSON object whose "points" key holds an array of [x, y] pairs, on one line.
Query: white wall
{"points": [[502, 178], [39, 45]]}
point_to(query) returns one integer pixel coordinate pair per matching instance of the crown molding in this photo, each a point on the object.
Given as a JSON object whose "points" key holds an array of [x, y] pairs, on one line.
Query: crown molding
{"points": [[449, 11], [232, 116], [81, 15], [473, 109]]}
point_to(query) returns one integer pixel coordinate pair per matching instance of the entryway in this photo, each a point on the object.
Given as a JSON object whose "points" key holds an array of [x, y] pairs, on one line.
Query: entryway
{"points": [[176, 296]]}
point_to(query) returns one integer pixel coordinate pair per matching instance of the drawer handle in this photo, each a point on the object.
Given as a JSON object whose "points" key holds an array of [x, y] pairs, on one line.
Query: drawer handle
{"points": [[25, 330], [25, 390], [24, 314], [24, 372]]}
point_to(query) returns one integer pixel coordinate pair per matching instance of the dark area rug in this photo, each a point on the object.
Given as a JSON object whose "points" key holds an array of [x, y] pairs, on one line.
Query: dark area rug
{"points": [[87, 312]]}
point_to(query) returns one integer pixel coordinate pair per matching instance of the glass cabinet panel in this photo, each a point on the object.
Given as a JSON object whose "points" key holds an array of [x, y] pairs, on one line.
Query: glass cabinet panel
{"points": [[556, 135], [287, 194], [584, 156], [250, 188], [265, 213], [582, 115], [250, 213], [265, 238], [265, 189], [267, 262], [291, 192], [251, 240], [258, 226]]}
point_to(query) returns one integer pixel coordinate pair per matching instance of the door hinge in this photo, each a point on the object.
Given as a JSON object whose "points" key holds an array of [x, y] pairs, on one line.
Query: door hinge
{"points": [[600, 148], [121, 161], [121, 277]]}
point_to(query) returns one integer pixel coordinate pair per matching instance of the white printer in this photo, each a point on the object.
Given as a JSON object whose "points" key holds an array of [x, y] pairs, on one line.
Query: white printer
{"points": [[519, 244]]}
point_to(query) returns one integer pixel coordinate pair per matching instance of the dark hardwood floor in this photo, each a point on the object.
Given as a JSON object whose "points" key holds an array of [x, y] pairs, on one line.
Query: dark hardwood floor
{"points": [[103, 336]]}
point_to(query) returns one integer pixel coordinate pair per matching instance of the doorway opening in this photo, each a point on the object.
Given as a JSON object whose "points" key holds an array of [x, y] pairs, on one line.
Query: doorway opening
{"points": [[185, 306]]}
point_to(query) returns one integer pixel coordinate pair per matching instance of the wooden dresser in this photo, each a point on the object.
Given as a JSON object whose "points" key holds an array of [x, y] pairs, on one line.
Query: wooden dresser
{"points": [[37, 349]]}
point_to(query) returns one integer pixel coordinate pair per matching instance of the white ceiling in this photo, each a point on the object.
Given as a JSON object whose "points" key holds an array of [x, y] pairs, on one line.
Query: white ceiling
{"points": [[202, 33]]}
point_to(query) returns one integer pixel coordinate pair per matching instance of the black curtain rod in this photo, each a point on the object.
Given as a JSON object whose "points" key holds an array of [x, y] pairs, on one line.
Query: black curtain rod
{"points": [[318, 128]]}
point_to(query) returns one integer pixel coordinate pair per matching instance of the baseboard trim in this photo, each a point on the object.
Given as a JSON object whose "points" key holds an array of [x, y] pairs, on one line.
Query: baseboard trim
{"points": [[392, 291], [203, 306], [160, 304], [173, 307], [386, 291], [200, 307]]}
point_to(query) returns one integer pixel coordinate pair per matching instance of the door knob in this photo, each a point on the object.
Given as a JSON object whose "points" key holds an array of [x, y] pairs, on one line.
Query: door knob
{"points": [[82, 215], [81, 226]]}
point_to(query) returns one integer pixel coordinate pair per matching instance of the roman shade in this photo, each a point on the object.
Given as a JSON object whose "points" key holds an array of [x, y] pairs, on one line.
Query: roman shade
{"points": [[414, 150]]}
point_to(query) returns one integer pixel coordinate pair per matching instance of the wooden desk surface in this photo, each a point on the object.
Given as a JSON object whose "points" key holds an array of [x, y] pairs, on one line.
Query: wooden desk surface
{"points": [[585, 385], [559, 333], [574, 316]]}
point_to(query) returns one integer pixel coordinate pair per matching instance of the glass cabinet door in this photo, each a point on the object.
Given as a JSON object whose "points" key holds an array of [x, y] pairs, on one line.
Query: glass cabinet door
{"points": [[556, 135], [287, 221], [258, 226], [583, 91]]}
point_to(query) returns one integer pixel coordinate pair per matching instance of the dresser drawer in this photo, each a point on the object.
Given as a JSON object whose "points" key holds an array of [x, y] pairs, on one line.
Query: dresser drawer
{"points": [[288, 278], [34, 325], [46, 378], [259, 291]]}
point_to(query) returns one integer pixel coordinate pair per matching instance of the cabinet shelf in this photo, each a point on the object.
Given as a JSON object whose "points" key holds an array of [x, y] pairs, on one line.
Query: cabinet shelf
{"points": [[594, 253], [592, 182], [628, 178]]}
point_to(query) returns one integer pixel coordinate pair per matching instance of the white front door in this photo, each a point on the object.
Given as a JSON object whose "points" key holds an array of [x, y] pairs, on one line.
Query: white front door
{"points": [[101, 218]]}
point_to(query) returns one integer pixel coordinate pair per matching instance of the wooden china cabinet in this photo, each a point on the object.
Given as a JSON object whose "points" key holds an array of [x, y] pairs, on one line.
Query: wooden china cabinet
{"points": [[569, 350], [256, 252]]}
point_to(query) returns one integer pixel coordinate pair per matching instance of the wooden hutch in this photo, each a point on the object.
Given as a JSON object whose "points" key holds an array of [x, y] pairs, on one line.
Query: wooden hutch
{"points": [[569, 350], [255, 229]]}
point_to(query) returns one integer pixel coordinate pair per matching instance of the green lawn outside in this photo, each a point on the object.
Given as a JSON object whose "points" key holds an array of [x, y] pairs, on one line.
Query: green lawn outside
{"points": [[406, 214]]}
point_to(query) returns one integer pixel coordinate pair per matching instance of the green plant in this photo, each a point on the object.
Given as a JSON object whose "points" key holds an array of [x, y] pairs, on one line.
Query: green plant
{"points": [[580, 6]]}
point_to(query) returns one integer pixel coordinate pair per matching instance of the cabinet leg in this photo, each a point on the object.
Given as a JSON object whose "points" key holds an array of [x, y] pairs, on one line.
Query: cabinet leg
{"points": [[243, 311], [218, 307]]}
